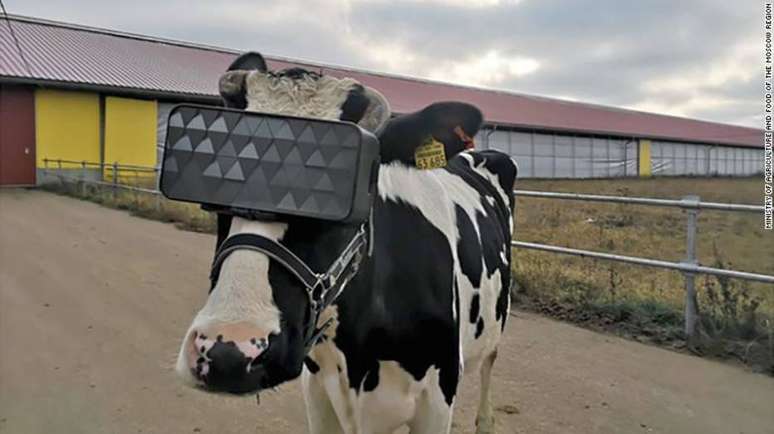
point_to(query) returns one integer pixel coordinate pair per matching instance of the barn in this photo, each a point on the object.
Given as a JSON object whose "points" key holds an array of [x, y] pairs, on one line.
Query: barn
{"points": [[79, 93]]}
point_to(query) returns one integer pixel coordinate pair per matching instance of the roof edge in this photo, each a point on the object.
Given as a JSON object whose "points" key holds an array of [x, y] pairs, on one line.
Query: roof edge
{"points": [[117, 90]]}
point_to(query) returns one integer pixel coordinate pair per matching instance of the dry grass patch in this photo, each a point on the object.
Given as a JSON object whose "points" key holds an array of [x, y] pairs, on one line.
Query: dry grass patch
{"points": [[184, 215], [615, 293]]}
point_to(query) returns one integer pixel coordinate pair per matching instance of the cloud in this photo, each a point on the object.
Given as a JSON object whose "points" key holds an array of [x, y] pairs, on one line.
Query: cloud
{"points": [[489, 69], [696, 58]]}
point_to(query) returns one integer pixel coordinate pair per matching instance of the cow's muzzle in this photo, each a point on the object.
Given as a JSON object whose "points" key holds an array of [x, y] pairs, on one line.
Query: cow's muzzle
{"points": [[226, 358]]}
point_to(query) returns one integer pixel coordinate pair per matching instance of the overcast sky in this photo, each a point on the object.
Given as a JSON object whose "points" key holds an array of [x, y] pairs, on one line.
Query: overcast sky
{"points": [[695, 58]]}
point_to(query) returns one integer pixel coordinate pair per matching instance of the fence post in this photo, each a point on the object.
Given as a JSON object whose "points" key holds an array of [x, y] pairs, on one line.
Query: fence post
{"points": [[691, 301], [45, 170], [59, 172], [136, 185], [115, 180], [83, 178]]}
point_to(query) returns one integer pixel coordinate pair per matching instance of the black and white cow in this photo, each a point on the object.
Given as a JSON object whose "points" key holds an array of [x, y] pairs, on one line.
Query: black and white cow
{"points": [[428, 303]]}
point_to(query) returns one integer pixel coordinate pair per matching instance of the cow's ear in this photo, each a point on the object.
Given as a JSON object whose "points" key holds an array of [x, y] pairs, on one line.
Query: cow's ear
{"points": [[366, 107], [451, 123], [378, 112], [232, 83], [250, 61]]}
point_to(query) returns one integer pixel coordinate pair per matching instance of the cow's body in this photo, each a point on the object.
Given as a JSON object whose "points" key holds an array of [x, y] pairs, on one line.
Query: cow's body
{"points": [[428, 302]]}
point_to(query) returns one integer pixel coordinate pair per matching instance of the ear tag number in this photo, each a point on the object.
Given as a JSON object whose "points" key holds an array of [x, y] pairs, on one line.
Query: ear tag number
{"points": [[430, 155]]}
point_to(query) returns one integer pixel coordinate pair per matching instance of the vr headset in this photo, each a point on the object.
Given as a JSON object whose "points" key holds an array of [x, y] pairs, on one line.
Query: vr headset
{"points": [[244, 163]]}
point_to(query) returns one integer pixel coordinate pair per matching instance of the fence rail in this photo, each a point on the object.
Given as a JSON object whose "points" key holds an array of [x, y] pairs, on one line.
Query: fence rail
{"points": [[82, 167], [678, 266], [687, 202], [689, 266], [690, 204]]}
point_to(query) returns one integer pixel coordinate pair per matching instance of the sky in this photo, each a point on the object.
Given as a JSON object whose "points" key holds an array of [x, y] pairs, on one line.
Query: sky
{"points": [[695, 58]]}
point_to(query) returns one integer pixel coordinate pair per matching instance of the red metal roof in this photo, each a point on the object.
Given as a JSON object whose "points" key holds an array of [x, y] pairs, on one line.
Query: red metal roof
{"points": [[66, 53]]}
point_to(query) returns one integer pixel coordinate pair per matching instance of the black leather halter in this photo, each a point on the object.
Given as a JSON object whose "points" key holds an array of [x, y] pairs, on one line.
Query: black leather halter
{"points": [[322, 289]]}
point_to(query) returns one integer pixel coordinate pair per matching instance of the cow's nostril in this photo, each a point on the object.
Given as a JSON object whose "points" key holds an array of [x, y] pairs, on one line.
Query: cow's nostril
{"points": [[228, 359]]}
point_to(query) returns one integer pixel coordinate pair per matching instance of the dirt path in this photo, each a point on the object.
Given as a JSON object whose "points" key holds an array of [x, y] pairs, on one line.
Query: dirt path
{"points": [[94, 301]]}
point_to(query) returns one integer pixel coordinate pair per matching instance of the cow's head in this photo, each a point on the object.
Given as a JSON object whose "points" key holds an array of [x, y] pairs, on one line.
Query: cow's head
{"points": [[453, 124], [250, 333]]}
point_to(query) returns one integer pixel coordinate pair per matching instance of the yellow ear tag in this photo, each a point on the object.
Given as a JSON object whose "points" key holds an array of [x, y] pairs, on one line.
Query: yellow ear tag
{"points": [[430, 155]]}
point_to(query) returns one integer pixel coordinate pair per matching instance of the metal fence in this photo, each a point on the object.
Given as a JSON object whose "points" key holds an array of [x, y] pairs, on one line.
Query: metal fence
{"points": [[689, 266], [77, 171], [119, 176]]}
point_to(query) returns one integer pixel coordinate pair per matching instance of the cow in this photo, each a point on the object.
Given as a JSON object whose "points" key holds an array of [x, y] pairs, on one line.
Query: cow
{"points": [[429, 297]]}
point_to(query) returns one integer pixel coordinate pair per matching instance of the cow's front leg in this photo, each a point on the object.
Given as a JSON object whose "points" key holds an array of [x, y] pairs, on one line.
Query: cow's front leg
{"points": [[485, 420], [320, 415], [433, 414]]}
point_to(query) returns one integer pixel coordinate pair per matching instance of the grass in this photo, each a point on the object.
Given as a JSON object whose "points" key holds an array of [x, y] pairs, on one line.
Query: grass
{"points": [[185, 216], [612, 294]]}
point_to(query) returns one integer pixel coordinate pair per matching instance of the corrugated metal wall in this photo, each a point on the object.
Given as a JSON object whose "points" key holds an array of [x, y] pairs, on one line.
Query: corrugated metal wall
{"points": [[672, 158], [557, 155], [547, 155], [162, 113]]}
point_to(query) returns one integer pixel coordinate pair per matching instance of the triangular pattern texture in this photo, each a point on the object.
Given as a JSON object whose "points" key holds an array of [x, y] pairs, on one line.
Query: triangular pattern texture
{"points": [[174, 134], [249, 152], [176, 120], [255, 161], [324, 184], [205, 147], [219, 126], [293, 157], [242, 128], [287, 202], [283, 146], [231, 119], [235, 173], [272, 155], [227, 150], [225, 163], [187, 115], [217, 139], [197, 123], [316, 160], [184, 144], [296, 126], [310, 205], [330, 138], [170, 164], [213, 171], [209, 118], [307, 136], [261, 144]]}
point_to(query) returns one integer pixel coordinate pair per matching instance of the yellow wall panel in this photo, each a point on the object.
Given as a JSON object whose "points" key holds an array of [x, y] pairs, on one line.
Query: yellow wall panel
{"points": [[644, 158], [130, 131], [66, 125]]}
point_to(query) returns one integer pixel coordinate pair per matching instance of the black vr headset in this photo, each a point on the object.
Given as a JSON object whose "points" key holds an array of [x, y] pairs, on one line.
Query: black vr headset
{"points": [[247, 163]]}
